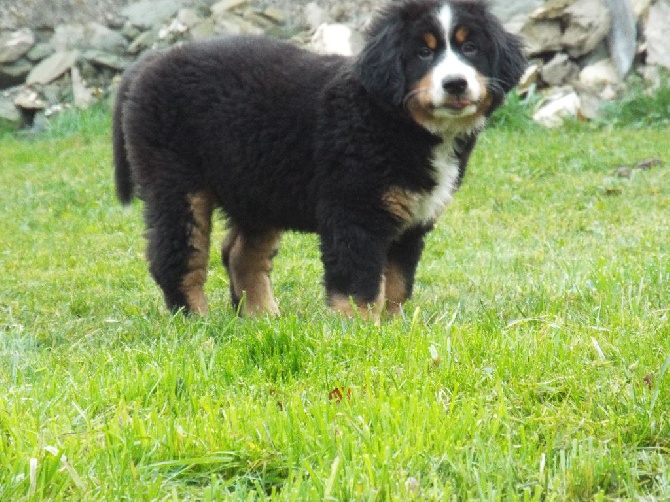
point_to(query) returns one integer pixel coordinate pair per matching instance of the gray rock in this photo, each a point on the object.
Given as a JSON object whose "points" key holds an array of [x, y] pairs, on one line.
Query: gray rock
{"points": [[53, 93], [541, 37], [101, 58], [172, 33], [204, 29], [588, 23], [14, 45], [15, 73], [130, 31], [601, 52], [560, 104], [229, 24], [559, 70], [40, 51], [275, 15], [67, 37], [641, 7], [551, 9], [225, 6], [143, 42], [257, 19], [591, 105], [9, 113], [656, 33], [52, 67], [104, 39], [82, 96], [28, 99], [148, 13], [530, 78], [188, 17], [599, 75]]}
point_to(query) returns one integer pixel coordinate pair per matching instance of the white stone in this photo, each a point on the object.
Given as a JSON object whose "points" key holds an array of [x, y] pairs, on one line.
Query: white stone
{"points": [[541, 36], [82, 95], [68, 36], [658, 34], [552, 9], [102, 38], [588, 23], [599, 75], [224, 6], [9, 112], [553, 111], [52, 67], [28, 99], [641, 7], [148, 13], [335, 39], [559, 70], [15, 44], [529, 78]]}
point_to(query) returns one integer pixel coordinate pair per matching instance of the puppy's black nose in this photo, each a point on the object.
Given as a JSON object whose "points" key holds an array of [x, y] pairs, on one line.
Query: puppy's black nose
{"points": [[455, 85]]}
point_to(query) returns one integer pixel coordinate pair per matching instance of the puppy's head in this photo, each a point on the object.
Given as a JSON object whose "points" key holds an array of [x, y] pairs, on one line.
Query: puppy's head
{"points": [[448, 62]]}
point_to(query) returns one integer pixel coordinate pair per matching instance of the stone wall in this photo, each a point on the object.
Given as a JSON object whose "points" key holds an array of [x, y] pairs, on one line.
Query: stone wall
{"points": [[58, 53]]}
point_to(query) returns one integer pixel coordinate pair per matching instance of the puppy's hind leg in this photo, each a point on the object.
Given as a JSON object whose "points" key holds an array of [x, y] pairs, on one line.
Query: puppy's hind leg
{"points": [[228, 242], [248, 259], [178, 251]]}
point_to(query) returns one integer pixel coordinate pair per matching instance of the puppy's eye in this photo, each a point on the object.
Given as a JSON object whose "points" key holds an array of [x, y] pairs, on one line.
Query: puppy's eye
{"points": [[425, 53], [469, 49]]}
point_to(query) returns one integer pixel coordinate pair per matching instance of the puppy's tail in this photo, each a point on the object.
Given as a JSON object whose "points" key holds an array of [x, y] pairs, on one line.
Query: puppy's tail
{"points": [[125, 187]]}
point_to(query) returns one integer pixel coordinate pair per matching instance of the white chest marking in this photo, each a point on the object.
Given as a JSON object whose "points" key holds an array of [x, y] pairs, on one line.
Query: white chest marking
{"points": [[432, 204]]}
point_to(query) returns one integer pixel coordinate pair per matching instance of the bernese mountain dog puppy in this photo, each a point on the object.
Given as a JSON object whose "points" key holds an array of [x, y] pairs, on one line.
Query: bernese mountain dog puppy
{"points": [[366, 151]]}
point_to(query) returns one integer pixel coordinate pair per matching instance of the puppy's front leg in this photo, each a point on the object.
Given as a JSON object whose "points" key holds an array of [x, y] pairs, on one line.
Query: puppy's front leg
{"points": [[403, 258], [354, 259]]}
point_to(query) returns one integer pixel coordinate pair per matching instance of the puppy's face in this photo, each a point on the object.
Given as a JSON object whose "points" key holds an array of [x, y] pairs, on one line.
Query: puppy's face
{"points": [[449, 63], [450, 68]]}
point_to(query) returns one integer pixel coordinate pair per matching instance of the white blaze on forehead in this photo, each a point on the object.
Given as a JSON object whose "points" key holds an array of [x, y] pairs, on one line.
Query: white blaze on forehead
{"points": [[451, 65]]}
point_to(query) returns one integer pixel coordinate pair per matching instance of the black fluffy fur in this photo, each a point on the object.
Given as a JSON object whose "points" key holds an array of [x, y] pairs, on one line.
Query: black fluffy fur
{"points": [[281, 138]]}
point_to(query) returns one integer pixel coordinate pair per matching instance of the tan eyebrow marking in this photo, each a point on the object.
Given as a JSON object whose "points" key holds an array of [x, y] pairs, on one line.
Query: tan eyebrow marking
{"points": [[461, 34], [431, 40]]}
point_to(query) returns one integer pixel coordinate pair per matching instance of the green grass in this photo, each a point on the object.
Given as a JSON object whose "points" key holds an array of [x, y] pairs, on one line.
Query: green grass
{"points": [[531, 364]]}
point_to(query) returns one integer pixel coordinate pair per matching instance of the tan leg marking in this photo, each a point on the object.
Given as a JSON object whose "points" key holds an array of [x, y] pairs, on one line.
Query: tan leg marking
{"points": [[228, 242], [249, 266], [350, 307], [396, 288], [193, 282]]}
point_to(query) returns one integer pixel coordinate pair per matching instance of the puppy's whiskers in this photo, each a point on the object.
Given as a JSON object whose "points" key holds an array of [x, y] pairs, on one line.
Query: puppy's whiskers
{"points": [[411, 97]]}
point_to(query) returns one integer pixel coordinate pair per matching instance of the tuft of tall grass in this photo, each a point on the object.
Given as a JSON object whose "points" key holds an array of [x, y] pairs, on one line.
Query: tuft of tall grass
{"points": [[639, 107]]}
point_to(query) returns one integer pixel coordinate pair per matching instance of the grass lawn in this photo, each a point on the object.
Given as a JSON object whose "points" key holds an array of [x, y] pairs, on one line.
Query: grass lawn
{"points": [[531, 364]]}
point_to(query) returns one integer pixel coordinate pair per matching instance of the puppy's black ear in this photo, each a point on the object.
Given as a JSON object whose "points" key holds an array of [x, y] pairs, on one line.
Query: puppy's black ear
{"points": [[513, 63], [379, 66]]}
